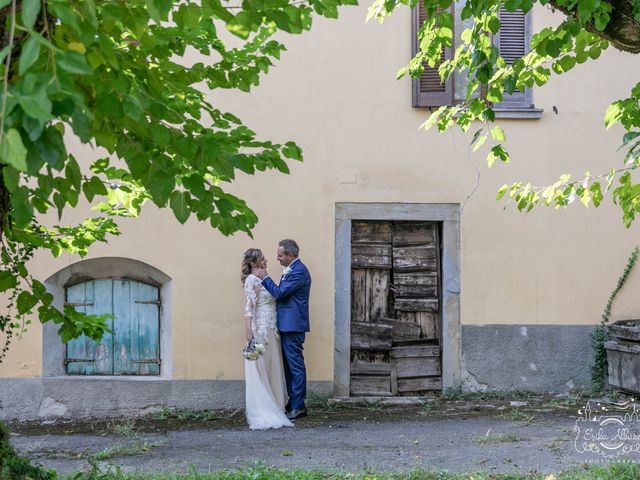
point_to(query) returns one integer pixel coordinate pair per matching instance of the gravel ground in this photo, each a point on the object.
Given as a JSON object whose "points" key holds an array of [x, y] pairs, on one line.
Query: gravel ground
{"points": [[459, 442]]}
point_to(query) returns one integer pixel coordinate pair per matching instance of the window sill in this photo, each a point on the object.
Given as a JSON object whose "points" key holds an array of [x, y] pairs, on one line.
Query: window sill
{"points": [[509, 113], [519, 113], [105, 378]]}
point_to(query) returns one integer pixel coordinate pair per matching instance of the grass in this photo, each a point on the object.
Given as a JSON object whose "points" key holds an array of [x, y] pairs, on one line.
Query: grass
{"points": [[459, 394], [614, 471], [496, 438], [124, 450], [124, 428], [521, 417], [188, 415], [320, 403]]}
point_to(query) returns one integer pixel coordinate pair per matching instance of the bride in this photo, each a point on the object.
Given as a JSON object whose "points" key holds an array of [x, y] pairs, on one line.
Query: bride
{"points": [[266, 391]]}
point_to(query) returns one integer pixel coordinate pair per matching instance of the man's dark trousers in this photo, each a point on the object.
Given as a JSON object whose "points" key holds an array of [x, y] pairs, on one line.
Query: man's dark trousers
{"points": [[294, 370]]}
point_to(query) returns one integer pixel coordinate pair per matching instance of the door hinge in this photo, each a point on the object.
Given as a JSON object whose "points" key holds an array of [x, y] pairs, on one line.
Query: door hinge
{"points": [[79, 304], [151, 360], [69, 360], [148, 302]]}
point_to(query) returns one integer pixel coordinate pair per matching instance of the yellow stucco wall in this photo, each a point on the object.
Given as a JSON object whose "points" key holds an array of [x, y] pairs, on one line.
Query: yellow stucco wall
{"points": [[334, 92]]}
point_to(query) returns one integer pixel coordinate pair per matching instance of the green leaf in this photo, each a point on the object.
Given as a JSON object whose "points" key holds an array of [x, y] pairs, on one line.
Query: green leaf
{"points": [[29, 54], [7, 280], [25, 302], [11, 178], [292, 151], [72, 172], [494, 25], [13, 151], [497, 152], [73, 62], [36, 105], [160, 185], [22, 210], [498, 134], [180, 205], [30, 10], [479, 141]]}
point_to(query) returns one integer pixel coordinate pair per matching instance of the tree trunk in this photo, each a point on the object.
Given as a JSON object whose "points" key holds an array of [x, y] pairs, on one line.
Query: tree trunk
{"points": [[622, 31]]}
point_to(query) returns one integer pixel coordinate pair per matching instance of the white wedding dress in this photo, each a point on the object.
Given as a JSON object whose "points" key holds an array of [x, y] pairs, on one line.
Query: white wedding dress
{"points": [[266, 390]]}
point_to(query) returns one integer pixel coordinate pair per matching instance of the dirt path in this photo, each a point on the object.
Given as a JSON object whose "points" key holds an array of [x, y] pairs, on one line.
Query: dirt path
{"points": [[455, 439]]}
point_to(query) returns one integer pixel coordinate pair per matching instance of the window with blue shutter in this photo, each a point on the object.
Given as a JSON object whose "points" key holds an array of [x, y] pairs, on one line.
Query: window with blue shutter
{"points": [[134, 346]]}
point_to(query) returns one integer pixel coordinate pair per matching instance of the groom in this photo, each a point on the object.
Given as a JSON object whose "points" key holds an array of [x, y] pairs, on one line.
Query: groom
{"points": [[292, 296]]}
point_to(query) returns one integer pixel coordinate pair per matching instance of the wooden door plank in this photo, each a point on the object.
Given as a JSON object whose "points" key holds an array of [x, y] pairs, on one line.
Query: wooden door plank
{"points": [[370, 232], [362, 368], [416, 284], [377, 293], [371, 255], [394, 379], [81, 349], [371, 385], [402, 330], [417, 366], [419, 384], [416, 304], [421, 257], [415, 351], [414, 233], [123, 328], [103, 303], [147, 320], [371, 336], [358, 295]]}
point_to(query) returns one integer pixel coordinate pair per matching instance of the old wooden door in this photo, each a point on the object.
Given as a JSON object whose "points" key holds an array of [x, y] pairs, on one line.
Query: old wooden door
{"points": [[395, 308], [134, 346]]}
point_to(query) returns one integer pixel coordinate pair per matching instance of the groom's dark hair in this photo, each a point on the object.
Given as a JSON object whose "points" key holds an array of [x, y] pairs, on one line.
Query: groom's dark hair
{"points": [[290, 246]]}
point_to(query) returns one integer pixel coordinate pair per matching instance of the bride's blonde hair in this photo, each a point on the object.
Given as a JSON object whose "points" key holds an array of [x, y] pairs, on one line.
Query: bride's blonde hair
{"points": [[253, 255]]}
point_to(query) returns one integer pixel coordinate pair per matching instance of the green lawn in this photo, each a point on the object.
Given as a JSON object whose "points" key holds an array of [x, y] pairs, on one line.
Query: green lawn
{"points": [[617, 471]]}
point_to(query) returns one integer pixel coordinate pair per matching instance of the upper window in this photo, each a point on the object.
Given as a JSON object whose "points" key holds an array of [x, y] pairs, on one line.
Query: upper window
{"points": [[134, 346], [512, 40]]}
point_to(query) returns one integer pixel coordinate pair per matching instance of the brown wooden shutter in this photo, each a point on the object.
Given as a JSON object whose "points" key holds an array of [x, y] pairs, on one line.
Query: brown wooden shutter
{"points": [[428, 90], [513, 41]]}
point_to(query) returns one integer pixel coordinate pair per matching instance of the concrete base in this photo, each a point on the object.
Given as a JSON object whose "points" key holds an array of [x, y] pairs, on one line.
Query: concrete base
{"points": [[63, 397], [538, 358]]}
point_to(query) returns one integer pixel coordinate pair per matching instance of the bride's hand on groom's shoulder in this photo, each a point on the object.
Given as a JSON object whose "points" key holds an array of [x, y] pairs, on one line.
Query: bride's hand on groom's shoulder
{"points": [[260, 273]]}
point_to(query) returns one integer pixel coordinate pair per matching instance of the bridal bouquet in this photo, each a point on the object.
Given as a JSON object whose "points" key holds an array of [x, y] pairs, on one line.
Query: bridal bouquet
{"points": [[253, 350]]}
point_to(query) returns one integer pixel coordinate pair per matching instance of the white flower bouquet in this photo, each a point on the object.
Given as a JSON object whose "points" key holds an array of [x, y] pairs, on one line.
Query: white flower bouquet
{"points": [[253, 350]]}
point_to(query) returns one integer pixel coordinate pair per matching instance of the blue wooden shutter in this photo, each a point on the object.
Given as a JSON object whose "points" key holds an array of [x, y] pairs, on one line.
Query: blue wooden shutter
{"points": [[513, 42], [134, 348], [84, 356], [137, 340]]}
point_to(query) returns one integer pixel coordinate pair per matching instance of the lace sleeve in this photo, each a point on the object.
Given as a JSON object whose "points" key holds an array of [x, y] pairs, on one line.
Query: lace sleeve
{"points": [[250, 295]]}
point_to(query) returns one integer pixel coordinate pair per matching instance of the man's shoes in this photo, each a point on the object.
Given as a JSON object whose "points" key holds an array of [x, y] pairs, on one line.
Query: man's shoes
{"points": [[297, 413], [287, 408]]}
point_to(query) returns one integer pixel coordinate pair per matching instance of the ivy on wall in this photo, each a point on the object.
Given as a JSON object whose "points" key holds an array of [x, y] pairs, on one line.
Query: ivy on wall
{"points": [[599, 336]]}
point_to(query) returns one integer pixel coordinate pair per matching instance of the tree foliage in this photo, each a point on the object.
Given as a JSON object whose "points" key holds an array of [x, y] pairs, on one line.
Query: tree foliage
{"points": [[590, 27], [115, 75]]}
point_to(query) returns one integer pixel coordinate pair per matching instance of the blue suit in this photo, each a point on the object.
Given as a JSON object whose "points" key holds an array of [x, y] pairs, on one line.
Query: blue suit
{"points": [[292, 300]]}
